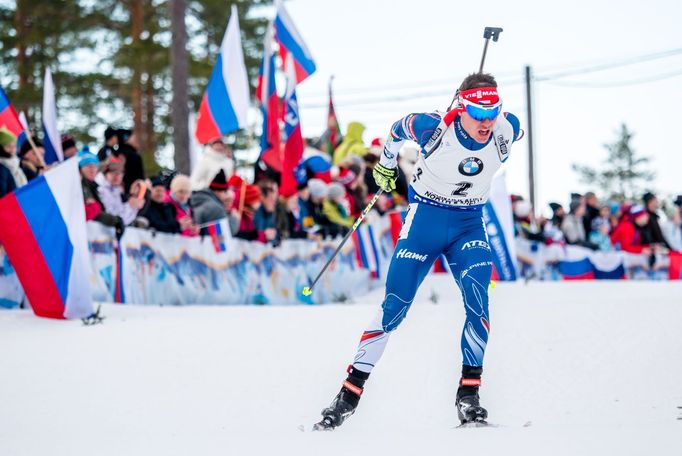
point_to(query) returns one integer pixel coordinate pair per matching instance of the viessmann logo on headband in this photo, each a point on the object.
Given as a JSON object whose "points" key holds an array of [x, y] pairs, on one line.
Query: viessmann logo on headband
{"points": [[483, 95]]}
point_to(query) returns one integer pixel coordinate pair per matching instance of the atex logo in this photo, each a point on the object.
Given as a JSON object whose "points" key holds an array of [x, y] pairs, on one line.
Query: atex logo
{"points": [[404, 253], [476, 245]]}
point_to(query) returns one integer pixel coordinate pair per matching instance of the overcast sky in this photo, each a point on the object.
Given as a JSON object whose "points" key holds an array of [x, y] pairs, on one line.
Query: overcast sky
{"points": [[390, 58]]}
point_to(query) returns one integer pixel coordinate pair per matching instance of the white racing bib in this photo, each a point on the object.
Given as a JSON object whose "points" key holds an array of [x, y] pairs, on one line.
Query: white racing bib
{"points": [[453, 175]]}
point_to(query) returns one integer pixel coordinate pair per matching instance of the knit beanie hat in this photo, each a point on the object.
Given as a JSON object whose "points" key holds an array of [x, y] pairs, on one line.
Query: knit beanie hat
{"points": [[6, 137], [180, 182], [26, 147], [318, 188], [87, 158], [251, 195], [219, 182], [335, 191]]}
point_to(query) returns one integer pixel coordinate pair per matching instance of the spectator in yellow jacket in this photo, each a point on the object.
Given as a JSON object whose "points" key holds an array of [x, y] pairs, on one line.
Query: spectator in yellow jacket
{"points": [[352, 144], [335, 208]]}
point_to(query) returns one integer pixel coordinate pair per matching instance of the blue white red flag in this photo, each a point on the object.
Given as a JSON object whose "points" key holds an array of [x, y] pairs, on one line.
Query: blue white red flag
{"points": [[266, 94], [52, 140], [217, 232], [225, 104], [291, 44], [8, 116], [293, 146], [499, 223], [366, 252], [42, 228], [580, 263]]}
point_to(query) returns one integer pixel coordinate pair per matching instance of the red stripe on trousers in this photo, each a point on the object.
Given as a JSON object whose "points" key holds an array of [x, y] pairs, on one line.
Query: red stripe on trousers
{"points": [[370, 335]]}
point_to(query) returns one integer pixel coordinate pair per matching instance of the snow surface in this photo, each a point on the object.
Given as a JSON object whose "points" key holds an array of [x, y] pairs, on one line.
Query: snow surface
{"points": [[571, 368]]}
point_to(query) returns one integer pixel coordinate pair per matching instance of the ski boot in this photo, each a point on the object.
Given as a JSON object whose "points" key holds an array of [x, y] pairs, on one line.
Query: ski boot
{"points": [[345, 403], [469, 410]]}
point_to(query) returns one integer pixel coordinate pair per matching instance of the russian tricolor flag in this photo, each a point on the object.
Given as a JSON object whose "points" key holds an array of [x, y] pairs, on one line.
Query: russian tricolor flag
{"points": [[366, 252], [42, 228], [580, 263], [216, 231], [225, 104], [266, 94], [291, 43], [8, 116]]}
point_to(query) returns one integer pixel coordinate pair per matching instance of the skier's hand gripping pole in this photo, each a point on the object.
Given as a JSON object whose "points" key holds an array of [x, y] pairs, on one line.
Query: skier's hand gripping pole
{"points": [[307, 291]]}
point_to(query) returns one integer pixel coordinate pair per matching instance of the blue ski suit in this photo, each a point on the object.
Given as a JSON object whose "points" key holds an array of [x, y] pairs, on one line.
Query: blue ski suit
{"points": [[449, 187]]}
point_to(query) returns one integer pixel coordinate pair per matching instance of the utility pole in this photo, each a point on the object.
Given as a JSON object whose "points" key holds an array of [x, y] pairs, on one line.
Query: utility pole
{"points": [[529, 133]]}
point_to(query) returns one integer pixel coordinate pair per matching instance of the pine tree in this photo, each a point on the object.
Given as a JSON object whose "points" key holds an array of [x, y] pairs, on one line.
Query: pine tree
{"points": [[124, 79], [623, 171], [34, 35]]}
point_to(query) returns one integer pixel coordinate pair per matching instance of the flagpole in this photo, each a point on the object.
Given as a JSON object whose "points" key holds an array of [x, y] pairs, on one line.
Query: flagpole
{"points": [[242, 196], [29, 137]]}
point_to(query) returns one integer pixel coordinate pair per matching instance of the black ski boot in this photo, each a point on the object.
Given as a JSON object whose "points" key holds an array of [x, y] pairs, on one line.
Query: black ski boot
{"points": [[345, 403], [469, 409]]}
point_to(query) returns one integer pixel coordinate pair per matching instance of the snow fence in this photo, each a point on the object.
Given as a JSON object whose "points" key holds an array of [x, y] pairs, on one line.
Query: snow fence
{"points": [[145, 267], [163, 269]]}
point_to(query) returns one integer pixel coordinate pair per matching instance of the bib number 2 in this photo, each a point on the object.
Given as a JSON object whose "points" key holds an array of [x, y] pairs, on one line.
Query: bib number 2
{"points": [[462, 188]]}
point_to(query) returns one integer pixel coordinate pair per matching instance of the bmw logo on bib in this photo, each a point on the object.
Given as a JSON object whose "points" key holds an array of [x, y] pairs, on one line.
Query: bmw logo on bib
{"points": [[470, 166]]}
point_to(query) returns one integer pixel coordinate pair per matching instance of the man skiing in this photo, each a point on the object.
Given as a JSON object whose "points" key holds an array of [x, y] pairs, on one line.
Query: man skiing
{"points": [[461, 150]]}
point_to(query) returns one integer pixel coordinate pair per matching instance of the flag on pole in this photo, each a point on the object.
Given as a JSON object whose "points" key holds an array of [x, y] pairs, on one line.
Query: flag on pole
{"points": [[291, 43], [52, 141], [366, 252], [333, 129], [499, 224], [8, 117], [21, 139], [266, 94], [42, 228], [293, 146], [225, 104], [218, 231]]}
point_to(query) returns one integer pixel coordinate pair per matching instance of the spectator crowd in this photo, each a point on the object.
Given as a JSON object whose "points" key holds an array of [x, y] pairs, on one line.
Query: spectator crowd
{"points": [[118, 194], [332, 191], [632, 226]]}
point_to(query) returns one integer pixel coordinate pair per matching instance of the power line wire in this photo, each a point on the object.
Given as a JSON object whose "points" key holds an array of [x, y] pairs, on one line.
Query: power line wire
{"points": [[539, 77], [611, 65], [608, 85], [549, 78]]}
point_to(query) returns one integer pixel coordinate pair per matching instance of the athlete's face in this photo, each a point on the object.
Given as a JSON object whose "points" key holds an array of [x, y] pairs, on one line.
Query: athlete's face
{"points": [[481, 130]]}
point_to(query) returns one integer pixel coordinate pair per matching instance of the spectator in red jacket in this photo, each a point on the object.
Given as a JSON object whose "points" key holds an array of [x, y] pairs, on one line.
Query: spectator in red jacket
{"points": [[628, 232]]}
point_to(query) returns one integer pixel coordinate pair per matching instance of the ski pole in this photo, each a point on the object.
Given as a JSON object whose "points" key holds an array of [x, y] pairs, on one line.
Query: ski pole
{"points": [[307, 291]]}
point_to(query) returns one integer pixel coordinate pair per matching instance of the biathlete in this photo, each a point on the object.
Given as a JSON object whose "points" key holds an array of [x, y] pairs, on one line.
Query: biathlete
{"points": [[461, 150]]}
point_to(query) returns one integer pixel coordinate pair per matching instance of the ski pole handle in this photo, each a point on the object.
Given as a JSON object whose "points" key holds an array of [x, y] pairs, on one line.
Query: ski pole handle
{"points": [[307, 291]]}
